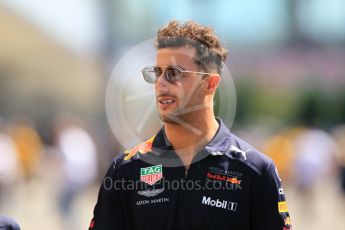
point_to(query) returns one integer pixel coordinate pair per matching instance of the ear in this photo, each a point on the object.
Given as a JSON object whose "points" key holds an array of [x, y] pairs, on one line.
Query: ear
{"points": [[213, 82]]}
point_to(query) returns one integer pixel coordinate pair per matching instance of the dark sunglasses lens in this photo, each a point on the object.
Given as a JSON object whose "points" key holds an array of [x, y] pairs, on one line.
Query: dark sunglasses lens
{"points": [[172, 75], [157, 70], [151, 74]]}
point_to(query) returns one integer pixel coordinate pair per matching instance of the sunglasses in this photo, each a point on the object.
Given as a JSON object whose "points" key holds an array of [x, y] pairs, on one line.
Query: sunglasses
{"points": [[172, 74]]}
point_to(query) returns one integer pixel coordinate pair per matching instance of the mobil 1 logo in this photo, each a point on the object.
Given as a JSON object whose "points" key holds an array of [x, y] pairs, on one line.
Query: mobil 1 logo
{"points": [[224, 204]]}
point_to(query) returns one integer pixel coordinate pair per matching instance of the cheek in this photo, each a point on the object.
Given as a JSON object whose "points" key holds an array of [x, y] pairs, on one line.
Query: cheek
{"points": [[193, 94], [191, 87]]}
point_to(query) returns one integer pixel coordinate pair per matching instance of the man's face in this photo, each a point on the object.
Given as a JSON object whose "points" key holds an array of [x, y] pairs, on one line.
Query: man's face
{"points": [[180, 102]]}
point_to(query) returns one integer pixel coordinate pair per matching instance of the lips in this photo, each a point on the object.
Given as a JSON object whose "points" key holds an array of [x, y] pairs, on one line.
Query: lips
{"points": [[166, 101], [169, 101]]}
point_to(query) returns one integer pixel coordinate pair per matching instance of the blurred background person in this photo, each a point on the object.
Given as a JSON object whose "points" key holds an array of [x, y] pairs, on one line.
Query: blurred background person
{"points": [[28, 144], [314, 165], [281, 148], [338, 134], [315, 150], [79, 166], [7, 223], [9, 170]]}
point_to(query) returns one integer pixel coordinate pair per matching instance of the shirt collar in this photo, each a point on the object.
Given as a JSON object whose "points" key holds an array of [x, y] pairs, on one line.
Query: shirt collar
{"points": [[218, 145], [221, 140]]}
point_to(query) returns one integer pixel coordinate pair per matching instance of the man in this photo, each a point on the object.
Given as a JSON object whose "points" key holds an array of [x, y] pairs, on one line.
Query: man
{"points": [[193, 174], [7, 223]]}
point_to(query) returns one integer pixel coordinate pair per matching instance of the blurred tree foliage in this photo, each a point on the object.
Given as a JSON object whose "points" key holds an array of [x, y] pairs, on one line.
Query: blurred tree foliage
{"points": [[306, 104]]}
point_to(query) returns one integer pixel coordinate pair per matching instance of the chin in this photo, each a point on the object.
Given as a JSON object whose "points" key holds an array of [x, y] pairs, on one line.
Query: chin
{"points": [[170, 118], [166, 119]]}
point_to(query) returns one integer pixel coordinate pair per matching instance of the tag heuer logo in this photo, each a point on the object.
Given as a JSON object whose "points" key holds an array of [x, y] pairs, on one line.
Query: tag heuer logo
{"points": [[151, 175]]}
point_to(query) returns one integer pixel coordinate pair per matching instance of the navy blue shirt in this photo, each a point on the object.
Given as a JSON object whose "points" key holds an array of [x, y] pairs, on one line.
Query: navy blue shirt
{"points": [[229, 185]]}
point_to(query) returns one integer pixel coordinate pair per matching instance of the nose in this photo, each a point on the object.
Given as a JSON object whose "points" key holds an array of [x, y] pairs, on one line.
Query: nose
{"points": [[161, 82]]}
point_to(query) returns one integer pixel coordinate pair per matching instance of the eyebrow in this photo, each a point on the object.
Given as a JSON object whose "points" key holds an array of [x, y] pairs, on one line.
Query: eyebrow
{"points": [[177, 66]]}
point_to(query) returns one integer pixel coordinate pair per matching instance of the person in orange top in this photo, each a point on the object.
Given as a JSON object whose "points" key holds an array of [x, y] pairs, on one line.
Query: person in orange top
{"points": [[29, 146]]}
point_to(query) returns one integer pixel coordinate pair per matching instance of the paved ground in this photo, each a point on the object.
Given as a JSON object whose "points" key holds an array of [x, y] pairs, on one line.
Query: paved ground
{"points": [[323, 208]]}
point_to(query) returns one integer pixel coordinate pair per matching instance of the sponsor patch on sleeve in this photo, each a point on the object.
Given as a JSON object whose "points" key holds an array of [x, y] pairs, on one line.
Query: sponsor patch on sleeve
{"points": [[282, 207]]}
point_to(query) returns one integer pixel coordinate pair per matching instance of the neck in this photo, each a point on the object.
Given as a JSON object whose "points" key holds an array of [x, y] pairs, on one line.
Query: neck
{"points": [[188, 138]]}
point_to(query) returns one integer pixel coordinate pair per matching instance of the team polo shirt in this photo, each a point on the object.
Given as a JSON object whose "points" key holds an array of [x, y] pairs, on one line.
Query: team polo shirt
{"points": [[229, 185]]}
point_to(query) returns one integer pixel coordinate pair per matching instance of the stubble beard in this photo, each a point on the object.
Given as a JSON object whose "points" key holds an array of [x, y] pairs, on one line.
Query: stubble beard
{"points": [[172, 117], [182, 112], [181, 115]]}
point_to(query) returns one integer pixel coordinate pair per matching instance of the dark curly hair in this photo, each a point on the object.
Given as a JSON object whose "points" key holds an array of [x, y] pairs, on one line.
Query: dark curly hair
{"points": [[210, 54]]}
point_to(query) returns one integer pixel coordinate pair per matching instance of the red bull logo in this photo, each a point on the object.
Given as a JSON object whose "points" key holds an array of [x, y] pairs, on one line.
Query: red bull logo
{"points": [[215, 176]]}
